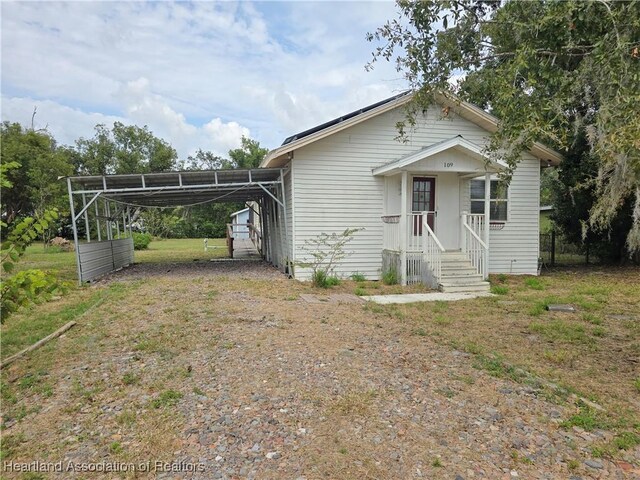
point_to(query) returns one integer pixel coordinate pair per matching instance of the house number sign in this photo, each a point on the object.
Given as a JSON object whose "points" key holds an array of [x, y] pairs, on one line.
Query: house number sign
{"points": [[448, 164]]}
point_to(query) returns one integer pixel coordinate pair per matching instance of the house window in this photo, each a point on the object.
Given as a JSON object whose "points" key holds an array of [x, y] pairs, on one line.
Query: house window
{"points": [[498, 204]]}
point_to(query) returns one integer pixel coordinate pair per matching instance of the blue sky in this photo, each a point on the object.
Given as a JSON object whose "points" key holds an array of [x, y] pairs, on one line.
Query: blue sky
{"points": [[199, 74]]}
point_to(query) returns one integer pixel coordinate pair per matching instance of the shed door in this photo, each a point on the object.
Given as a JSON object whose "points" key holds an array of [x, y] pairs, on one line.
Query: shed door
{"points": [[423, 200]]}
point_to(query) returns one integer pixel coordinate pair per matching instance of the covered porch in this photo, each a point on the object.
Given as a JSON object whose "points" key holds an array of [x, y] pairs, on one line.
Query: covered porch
{"points": [[435, 228]]}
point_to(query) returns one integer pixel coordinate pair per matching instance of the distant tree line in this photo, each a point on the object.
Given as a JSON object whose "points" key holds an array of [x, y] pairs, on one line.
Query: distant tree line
{"points": [[39, 161]]}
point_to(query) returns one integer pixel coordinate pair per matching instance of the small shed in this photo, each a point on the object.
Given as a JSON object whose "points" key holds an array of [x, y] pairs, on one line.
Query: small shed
{"points": [[240, 223]]}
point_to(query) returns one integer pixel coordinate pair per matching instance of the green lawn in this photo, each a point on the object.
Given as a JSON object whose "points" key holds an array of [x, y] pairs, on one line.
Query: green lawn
{"points": [[31, 324], [159, 251], [181, 250]]}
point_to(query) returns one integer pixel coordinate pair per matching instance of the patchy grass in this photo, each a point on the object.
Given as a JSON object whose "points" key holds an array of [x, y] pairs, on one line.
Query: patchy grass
{"points": [[358, 277], [496, 366], [535, 283], [354, 403], [499, 289], [587, 418], [360, 292], [134, 352], [168, 398], [592, 318], [130, 378], [588, 351], [559, 330], [27, 327]]}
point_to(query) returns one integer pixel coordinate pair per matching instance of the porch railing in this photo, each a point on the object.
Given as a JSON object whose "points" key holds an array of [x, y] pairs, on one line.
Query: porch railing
{"points": [[415, 229], [423, 249], [391, 232], [432, 249], [473, 246]]}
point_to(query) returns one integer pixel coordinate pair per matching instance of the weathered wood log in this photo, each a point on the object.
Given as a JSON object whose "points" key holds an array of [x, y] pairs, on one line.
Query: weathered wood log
{"points": [[36, 345]]}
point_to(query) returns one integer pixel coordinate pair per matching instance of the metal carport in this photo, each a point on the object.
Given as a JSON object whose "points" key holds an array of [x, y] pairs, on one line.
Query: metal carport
{"points": [[109, 200]]}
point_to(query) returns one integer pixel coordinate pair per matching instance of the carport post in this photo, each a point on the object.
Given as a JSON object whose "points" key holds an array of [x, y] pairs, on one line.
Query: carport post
{"points": [[129, 220], [108, 218], [286, 226], [86, 217], [264, 225], [261, 230], [98, 222], [75, 229], [273, 217]]}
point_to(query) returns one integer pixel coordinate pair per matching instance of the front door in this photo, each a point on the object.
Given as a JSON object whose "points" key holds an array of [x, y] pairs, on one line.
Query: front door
{"points": [[423, 199]]}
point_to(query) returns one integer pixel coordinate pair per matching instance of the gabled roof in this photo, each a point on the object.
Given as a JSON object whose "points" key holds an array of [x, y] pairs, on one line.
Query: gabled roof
{"points": [[235, 214], [281, 155], [458, 142]]}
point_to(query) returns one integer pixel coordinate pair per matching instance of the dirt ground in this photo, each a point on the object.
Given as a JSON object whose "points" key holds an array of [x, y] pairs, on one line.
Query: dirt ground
{"points": [[222, 370]]}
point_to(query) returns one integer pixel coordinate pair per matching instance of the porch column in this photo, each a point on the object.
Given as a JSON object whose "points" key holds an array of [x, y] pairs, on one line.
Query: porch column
{"points": [[487, 213], [403, 227]]}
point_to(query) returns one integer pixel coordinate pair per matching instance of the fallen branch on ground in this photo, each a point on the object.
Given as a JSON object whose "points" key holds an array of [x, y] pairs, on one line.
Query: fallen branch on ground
{"points": [[38, 344]]}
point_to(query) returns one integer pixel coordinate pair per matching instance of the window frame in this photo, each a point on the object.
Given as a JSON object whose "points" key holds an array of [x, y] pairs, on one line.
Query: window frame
{"points": [[492, 200]]}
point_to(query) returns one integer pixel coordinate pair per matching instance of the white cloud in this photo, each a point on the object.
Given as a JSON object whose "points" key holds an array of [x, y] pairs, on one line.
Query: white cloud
{"points": [[199, 74]]}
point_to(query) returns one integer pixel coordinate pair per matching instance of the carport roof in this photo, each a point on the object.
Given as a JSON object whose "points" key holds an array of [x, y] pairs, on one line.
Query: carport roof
{"points": [[168, 189]]}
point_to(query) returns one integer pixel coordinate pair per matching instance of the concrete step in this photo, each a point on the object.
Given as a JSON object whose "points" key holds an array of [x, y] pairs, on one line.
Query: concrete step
{"points": [[454, 256], [458, 269], [460, 279], [456, 265], [458, 273], [454, 261], [473, 287]]}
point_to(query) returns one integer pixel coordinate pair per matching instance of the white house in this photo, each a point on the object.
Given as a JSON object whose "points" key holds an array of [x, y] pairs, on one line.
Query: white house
{"points": [[421, 204], [240, 223]]}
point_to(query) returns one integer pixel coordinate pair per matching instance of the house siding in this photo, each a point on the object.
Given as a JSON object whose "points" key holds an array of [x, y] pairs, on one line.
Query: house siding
{"points": [[335, 189], [515, 248]]}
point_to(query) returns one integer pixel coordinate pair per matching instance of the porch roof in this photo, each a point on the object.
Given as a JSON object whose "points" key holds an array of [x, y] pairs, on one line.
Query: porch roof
{"points": [[458, 143]]}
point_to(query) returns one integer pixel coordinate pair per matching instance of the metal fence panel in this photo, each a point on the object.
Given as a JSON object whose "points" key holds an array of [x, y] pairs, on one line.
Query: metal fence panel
{"points": [[99, 258]]}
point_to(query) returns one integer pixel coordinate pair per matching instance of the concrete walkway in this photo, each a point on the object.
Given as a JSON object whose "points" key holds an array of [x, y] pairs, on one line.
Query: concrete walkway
{"points": [[424, 297]]}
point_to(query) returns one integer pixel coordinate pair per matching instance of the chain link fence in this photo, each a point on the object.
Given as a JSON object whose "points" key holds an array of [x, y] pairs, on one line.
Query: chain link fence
{"points": [[555, 250]]}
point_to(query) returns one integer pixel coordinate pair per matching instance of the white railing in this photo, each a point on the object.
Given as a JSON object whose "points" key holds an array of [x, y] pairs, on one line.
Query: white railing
{"points": [[432, 249], [391, 232], [473, 246], [476, 223], [416, 229], [423, 249]]}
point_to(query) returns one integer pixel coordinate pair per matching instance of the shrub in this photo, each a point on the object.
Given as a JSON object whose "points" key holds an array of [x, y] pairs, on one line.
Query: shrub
{"points": [[141, 241], [25, 287], [390, 277], [321, 279], [324, 253]]}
